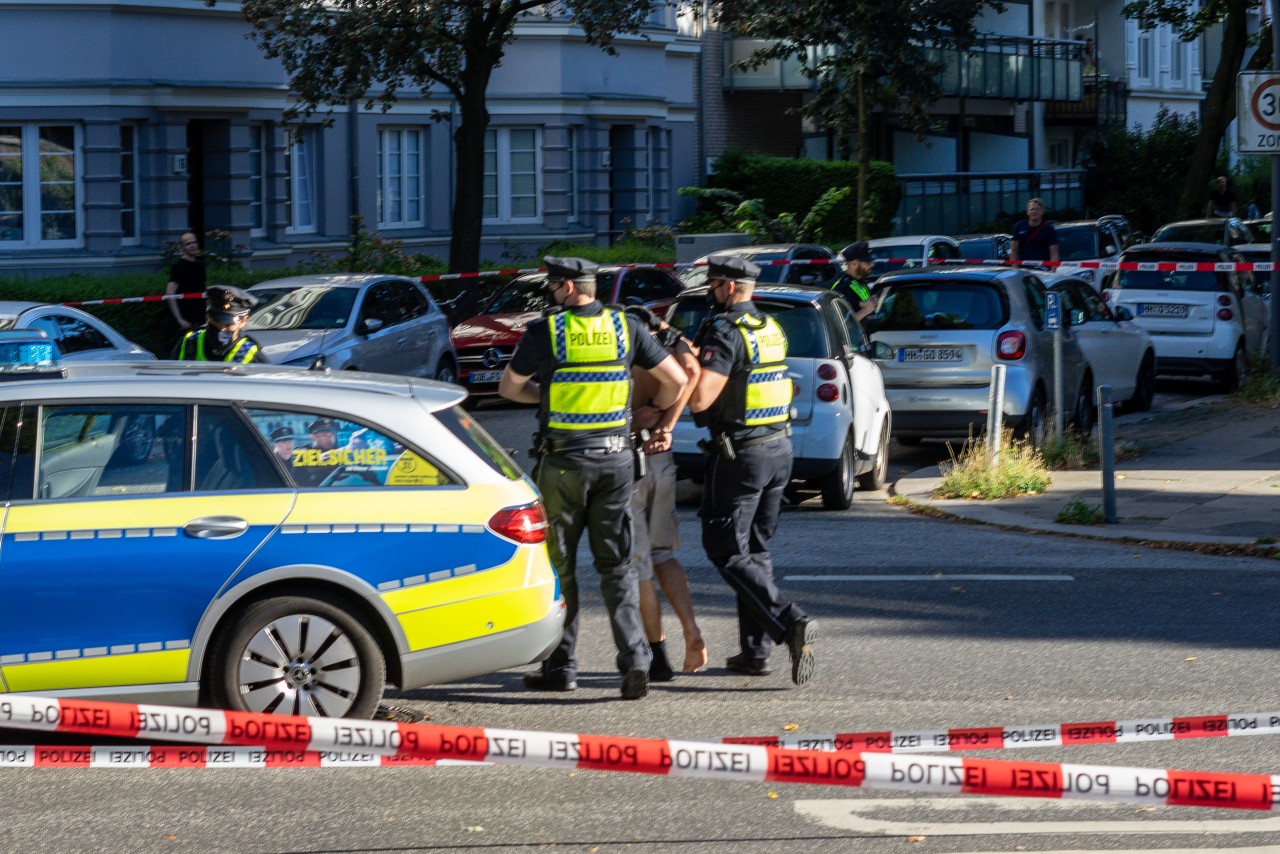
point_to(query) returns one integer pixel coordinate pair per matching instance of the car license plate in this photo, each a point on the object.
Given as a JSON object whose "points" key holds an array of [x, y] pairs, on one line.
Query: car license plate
{"points": [[930, 354], [484, 377], [1160, 309]]}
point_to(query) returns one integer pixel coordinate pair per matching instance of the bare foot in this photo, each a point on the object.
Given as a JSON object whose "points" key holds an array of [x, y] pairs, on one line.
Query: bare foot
{"points": [[695, 655]]}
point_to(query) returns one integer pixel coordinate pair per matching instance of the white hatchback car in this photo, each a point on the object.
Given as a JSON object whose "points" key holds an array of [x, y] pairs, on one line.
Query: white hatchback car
{"points": [[840, 418], [911, 251]]}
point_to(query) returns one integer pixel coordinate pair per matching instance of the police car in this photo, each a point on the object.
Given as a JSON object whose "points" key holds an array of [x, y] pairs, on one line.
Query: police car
{"points": [[291, 542]]}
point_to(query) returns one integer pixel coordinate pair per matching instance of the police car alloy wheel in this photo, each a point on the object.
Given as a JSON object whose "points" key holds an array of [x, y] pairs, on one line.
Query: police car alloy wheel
{"points": [[298, 655], [879, 473]]}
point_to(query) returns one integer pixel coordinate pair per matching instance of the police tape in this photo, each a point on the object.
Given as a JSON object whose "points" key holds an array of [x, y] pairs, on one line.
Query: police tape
{"points": [[199, 756], [340, 738], [1035, 735], [124, 300]]}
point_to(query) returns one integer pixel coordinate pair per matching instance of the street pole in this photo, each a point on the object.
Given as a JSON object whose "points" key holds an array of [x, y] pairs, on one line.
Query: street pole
{"points": [[1274, 323]]}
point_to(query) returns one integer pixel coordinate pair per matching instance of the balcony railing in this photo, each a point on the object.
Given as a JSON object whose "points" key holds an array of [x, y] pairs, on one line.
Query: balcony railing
{"points": [[958, 203], [1105, 103], [1008, 67]]}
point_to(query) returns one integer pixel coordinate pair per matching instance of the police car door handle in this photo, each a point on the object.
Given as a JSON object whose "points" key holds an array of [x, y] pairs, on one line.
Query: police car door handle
{"points": [[216, 527]]}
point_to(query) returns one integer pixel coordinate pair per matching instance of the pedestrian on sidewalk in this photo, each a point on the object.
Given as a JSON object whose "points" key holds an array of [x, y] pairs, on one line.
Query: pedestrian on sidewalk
{"points": [[1034, 238]]}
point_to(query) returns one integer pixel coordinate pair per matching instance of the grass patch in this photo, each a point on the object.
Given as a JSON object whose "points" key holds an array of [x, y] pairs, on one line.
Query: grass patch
{"points": [[1020, 470], [1077, 512], [1260, 388], [1071, 450]]}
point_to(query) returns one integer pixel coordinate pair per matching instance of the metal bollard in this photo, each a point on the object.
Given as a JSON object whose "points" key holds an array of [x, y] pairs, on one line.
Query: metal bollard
{"points": [[1107, 452], [995, 413]]}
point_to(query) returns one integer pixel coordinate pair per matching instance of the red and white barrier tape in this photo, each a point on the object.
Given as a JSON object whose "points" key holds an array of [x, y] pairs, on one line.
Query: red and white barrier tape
{"points": [[199, 756], [123, 300], [1038, 735], [754, 763]]}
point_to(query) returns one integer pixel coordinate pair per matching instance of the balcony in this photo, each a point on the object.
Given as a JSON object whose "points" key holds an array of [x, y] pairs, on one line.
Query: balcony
{"points": [[1104, 103], [956, 203], [1004, 67]]}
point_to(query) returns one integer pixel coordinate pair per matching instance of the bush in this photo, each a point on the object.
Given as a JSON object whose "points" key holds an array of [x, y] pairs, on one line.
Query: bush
{"points": [[1019, 471]]}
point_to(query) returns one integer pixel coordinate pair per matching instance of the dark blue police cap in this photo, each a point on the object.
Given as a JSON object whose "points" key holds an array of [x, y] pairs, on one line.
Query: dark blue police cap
{"points": [[859, 251], [731, 267], [570, 268], [227, 304]]}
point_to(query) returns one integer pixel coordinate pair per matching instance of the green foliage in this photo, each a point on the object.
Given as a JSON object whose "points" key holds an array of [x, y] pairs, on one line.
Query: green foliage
{"points": [[1020, 470], [821, 188], [1259, 386], [369, 253], [1077, 512], [1251, 182], [1140, 173], [1071, 450]]}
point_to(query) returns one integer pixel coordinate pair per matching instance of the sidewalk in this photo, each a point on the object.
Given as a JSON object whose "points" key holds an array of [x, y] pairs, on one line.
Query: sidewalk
{"points": [[1212, 475]]}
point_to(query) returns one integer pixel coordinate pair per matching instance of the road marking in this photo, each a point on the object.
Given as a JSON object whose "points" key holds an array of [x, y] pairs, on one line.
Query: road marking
{"points": [[930, 577], [850, 815]]}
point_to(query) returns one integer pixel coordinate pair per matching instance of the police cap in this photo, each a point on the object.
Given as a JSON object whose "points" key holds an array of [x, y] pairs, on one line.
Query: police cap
{"points": [[859, 251], [732, 267], [281, 433], [323, 425], [569, 268], [227, 304]]}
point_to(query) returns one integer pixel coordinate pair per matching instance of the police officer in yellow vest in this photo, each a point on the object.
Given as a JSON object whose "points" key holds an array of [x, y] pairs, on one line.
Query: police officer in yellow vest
{"points": [[858, 262], [743, 397], [575, 363], [221, 339]]}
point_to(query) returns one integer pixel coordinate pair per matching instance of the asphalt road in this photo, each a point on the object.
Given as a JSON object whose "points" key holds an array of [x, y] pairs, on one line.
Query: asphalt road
{"points": [[1117, 632]]}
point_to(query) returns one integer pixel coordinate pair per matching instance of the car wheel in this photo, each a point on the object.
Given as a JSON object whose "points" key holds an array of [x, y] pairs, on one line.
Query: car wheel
{"points": [[298, 655], [136, 439], [837, 487], [1144, 387], [1034, 425], [1233, 377], [446, 371], [1083, 418], [879, 473]]}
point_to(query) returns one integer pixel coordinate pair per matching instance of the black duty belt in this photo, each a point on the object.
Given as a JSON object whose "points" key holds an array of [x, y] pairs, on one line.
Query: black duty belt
{"points": [[762, 440], [596, 445]]}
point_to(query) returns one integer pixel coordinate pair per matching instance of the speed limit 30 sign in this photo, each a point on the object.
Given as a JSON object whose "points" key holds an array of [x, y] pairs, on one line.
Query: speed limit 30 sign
{"points": [[1258, 112]]}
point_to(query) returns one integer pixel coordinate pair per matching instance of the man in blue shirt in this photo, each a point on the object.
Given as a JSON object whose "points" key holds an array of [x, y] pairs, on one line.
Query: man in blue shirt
{"points": [[1034, 238]]}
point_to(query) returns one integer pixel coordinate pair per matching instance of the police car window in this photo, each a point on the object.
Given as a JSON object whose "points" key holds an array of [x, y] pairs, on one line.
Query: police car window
{"points": [[227, 454], [323, 452], [850, 323], [10, 416], [475, 437], [109, 450]]}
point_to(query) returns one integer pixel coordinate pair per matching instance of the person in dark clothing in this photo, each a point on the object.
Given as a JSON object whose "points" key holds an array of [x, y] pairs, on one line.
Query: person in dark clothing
{"points": [[186, 276], [857, 264], [575, 364], [221, 339], [744, 397], [1034, 238], [1222, 201]]}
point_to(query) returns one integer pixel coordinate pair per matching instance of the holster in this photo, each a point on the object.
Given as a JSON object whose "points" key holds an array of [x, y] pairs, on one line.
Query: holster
{"points": [[637, 447]]}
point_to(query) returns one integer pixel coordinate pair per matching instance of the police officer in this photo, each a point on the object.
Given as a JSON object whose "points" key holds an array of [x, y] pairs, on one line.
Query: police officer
{"points": [[744, 397], [221, 338], [575, 364], [857, 266]]}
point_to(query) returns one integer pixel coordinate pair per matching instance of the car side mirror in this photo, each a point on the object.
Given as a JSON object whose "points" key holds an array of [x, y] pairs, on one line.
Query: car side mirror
{"points": [[1077, 316], [369, 325], [882, 352], [1122, 313]]}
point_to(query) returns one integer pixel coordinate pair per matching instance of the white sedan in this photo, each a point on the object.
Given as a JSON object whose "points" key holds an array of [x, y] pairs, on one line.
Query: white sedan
{"points": [[80, 336]]}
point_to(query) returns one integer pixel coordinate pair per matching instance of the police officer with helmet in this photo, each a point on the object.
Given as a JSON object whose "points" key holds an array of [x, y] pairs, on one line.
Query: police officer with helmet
{"points": [[744, 397], [221, 339], [575, 364]]}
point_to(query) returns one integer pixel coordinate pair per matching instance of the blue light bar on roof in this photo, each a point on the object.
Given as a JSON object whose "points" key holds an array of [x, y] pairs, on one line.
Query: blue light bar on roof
{"points": [[28, 353]]}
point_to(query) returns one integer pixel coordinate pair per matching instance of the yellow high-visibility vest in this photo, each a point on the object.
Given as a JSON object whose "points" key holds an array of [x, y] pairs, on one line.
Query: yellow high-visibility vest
{"points": [[591, 386], [244, 350], [767, 396]]}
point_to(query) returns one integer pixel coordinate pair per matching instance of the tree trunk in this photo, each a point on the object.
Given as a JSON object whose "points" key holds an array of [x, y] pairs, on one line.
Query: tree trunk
{"points": [[864, 160], [1218, 108], [468, 182]]}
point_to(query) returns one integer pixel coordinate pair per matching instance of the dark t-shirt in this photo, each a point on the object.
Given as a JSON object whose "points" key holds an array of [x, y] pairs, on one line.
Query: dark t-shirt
{"points": [[533, 356], [1222, 201], [190, 277], [725, 353], [1034, 241]]}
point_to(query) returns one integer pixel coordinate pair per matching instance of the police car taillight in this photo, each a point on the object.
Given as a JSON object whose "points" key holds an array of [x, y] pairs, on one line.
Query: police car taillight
{"points": [[526, 524], [29, 354]]}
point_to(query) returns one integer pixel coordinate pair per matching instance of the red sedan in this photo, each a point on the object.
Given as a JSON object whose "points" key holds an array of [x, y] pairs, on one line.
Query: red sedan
{"points": [[485, 342]]}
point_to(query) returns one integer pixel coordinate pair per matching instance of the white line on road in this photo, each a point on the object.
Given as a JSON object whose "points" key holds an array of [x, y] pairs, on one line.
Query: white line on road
{"points": [[939, 577]]}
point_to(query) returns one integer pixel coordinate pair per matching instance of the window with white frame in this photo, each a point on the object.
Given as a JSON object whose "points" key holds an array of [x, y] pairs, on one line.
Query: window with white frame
{"points": [[1145, 49], [1177, 61], [399, 177], [300, 162], [512, 175], [129, 184], [39, 181], [259, 148]]}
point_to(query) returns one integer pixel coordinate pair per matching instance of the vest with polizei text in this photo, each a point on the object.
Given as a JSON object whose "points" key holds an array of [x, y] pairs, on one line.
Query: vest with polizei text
{"points": [[760, 395], [241, 351], [591, 387]]}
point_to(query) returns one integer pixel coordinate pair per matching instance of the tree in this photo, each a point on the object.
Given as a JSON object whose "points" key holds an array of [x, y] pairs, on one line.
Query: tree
{"points": [[1219, 107], [864, 54], [337, 51]]}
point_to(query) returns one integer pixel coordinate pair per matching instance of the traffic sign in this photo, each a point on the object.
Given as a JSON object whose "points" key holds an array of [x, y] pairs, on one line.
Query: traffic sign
{"points": [[1258, 112], [1052, 310]]}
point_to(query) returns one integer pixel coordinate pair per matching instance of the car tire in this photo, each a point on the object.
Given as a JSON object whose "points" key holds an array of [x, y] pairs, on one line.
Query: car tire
{"points": [[300, 655], [1083, 416], [879, 474], [1233, 376], [446, 371], [136, 439], [1034, 425], [1144, 386], [838, 486]]}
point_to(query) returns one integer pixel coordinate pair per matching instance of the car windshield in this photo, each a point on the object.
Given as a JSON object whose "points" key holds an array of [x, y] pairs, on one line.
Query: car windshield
{"points": [[1205, 232], [978, 247], [1078, 244], [531, 295], [940, 304], [800, 323], [907, 253], [302, 308], [1168, 280], [697, 274]]}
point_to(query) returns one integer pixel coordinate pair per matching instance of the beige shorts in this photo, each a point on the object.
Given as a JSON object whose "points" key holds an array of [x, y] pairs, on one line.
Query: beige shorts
{"points": [[656, 533]]}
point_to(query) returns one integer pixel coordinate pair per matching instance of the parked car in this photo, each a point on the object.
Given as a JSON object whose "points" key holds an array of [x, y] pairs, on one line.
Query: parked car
{"points": [[1202, 321], [241, 565], [840, 419], [353, 322], [1227, 232], [974, 247], [774, 260], [911, 251], [80, 336], [1256, 252], [1128, 234], [948, 328], [485, 341], [1088, 240], [1260, 227], [1119, 351]]}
